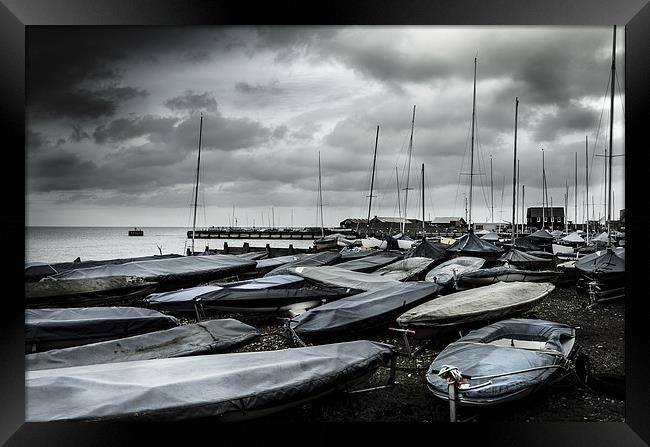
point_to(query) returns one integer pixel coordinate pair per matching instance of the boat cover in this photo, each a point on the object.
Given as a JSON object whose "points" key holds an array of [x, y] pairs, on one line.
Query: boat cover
{"points": [[51, 292], [235, 384], [573, 238], [490, 237], [269, 300], [524, 243], [177, 301], [475, 357], [471, 243], [602, 237], [541, 235], [61, 267], [607, 262], [557, 233], [61, 328], [478, 304], [508, 274], [369, 264], [524, 260], [311, 260], [369, 310], [405, 269], [542, 254], [271, 263], [389, 243], [170, 272], [349, 253], [266, 282], [426, 249], [336, 276], [34, 271], [443, 274], [206, 337], [252, 256]]}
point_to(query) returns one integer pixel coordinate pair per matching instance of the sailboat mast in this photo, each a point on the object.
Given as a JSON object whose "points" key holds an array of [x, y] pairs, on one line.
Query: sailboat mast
{"points": [[471, 169], [372, 180], [611, 132], [514, 174], [399, 206], [543, 190], [423, 231], [408, 171], [566, 204], [196, 189], [491, 193], [517, 196], [320, 198], [523, 207], [586, 183]]}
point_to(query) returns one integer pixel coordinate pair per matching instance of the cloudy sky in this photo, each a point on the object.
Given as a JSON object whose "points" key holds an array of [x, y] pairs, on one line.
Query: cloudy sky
{"points": [[113, 121]]}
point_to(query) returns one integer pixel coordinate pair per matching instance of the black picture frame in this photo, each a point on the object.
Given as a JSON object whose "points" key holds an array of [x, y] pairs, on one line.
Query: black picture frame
{"points": [[15, 15]]}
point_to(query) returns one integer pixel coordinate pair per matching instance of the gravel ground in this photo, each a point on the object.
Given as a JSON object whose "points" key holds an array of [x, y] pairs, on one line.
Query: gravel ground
{"points": [[599, 334]]}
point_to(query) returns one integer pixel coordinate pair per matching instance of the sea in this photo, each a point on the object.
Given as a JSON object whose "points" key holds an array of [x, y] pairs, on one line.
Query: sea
{"points": [[65, 244]]}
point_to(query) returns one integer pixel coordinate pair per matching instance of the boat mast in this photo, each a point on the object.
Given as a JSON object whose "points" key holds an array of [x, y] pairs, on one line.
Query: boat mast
{"points": [[399, 206], [423, 230], [320, 199], [523, 208], [586, 184], [471, 169], [491, 193], [514, 176], [196, 189], [611, 131], [517, 195], [372, 181], [566, 205], [576, 192], [408, 172]]}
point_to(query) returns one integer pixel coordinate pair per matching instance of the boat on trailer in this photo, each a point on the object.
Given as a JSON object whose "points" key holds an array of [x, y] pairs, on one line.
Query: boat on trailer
{"points": [[502, 362], [225, 387]]}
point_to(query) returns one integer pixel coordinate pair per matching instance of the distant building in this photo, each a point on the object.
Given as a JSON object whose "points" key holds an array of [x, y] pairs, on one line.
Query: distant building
{"points": [[547, 217], [490, 226], [448, 222]]}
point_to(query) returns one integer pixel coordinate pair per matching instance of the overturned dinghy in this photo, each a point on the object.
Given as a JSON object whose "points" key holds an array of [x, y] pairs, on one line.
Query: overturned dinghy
{"points": [[503, 361], [338, 277], [51, 292], [228, 386], [349, 316], [61, 328], [448, 272], [506, 273], [206, 337], [406, 269], [170, 273], [468, 307]]}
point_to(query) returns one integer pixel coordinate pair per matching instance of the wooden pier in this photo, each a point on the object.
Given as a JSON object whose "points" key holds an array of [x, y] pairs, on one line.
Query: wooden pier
{"points": [[264, 233]]}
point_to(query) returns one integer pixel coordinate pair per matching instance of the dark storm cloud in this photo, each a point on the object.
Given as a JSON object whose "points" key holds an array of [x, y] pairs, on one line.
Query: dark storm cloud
{"points": [[54, 170], [192, 101], [257, 89], [78, 133], [134, 126], [570, 119]]}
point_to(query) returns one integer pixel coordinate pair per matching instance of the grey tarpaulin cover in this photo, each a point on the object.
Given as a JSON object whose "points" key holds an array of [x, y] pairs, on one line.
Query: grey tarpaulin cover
{"points": [[266, 282], [51, 292], [169, 273], [490, 237], [508, 274], [336, 276], [542, 235], [427, 249], [352, 252], [369, 264], [61, 267], [524, 260], [231, 385], [526, 244], [206, 337], [405, 269], [603, 263], [346, 317], [265, 265], [479, 304], [311, 260], [472, 244], [510, 352], [252, 256], [37, 270], [443, 274], [178, 300], [61, 328]]}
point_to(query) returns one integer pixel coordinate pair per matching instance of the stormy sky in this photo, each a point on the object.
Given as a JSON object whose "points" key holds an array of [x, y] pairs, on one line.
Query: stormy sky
{"points": [[113, 121]]}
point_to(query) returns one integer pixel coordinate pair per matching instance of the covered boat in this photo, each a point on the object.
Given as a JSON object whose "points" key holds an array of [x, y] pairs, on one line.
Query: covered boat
{"points": [[347, 317], [507, 273], [332, 275], [228, 386], [52, 292], [369, 264], [602, 274], [405, 269], [183, 301], [471, 245], [503, 361], [470, 306], [266, 265], [426, 249], [35, 271], [491, 237], [310, 260], [61, 267], [524, 243], [170, 273], [449, 271], [355, 252], [206, 337], [61, 328], [524, 260]]}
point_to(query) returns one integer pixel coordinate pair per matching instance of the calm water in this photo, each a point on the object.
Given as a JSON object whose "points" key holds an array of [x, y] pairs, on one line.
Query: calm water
{"points": [[64, 244]]}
